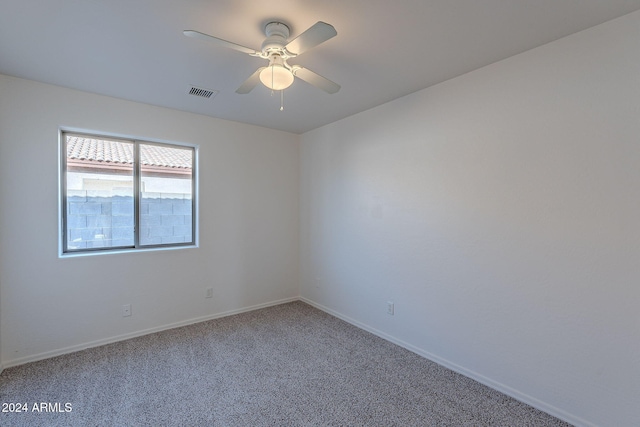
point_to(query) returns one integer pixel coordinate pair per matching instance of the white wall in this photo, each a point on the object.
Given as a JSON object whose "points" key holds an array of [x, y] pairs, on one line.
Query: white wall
{"points": [[500, 212], [248, 226]]}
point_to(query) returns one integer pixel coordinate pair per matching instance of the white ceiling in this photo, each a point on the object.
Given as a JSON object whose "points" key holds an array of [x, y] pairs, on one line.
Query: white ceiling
{"points": [[135, 49]]}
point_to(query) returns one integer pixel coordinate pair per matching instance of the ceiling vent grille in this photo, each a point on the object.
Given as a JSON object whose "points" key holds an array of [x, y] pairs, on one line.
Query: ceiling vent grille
{"points": [[202, 92]]}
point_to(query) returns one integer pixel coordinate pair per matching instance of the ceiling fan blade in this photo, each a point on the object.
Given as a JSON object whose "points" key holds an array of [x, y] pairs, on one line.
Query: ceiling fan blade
{"points": [[316, 34], [250, 83], [220, 42], [316, 80]]}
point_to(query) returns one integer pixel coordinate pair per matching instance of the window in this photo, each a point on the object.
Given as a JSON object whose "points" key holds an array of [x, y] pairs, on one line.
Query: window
{"points": [[125, 194]]}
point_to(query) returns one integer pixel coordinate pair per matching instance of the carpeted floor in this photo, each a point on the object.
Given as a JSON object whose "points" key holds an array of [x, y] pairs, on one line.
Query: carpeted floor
{"points": [[288, 365]]}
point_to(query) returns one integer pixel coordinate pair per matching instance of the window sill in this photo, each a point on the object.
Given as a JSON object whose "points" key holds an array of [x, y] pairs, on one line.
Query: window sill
{"points": [[123, 251]]}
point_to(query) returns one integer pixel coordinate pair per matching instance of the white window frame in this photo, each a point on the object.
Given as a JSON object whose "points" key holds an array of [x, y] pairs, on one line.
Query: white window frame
{"points": [[64, 251]]}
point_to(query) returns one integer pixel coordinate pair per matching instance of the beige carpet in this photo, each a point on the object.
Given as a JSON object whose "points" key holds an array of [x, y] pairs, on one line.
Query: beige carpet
{"points": [[289, 365]]}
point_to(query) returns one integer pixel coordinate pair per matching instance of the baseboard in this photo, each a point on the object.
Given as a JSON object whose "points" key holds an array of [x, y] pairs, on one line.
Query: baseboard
{"points": [[97, 343], [522, 397]]}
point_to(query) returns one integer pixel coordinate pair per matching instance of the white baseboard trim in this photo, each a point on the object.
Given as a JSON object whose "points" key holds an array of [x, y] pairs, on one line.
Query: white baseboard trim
{"points": [[97, 343], [525, 398], [522, 397]]}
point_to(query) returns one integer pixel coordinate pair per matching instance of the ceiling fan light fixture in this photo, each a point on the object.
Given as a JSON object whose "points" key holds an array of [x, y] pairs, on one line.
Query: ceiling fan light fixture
{"points": [[277, 49], [276, 77]]}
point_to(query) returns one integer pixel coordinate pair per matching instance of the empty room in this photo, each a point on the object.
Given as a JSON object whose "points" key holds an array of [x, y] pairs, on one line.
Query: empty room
{"points": [[320, 213]]}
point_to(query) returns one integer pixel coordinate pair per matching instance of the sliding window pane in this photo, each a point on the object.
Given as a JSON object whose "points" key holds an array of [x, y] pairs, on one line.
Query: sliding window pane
{"points": [[166, 185], [99, 193]]}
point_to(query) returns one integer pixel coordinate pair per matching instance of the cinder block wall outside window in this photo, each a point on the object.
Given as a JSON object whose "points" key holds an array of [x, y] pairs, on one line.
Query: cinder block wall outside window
{"points": [[98, 222]]}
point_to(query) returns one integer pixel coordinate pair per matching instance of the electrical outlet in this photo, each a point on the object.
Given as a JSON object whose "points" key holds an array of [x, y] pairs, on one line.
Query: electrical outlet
{"points": [[209, 292], [390, 308], [126, 310]]}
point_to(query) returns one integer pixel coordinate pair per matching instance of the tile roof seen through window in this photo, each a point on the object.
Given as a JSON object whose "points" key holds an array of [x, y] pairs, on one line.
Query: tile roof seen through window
{"points": [[116, 152]]}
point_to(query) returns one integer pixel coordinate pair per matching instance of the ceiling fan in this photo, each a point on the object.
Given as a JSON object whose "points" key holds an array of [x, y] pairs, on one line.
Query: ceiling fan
{"points": [[276, 48]]}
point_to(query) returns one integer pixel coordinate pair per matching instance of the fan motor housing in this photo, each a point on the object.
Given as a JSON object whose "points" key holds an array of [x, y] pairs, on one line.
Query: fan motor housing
{"points": [[277, 34]]}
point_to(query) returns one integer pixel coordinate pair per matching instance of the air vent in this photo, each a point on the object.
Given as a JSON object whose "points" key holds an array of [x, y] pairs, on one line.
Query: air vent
{"points": [[202, 92]]}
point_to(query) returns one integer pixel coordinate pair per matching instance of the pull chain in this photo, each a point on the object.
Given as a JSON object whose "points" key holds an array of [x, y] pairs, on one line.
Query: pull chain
{"points": [[282, 100]]}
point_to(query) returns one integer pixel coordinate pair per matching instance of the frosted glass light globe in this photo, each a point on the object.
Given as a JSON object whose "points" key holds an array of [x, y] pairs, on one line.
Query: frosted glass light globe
{"points": [[276, 77]]}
